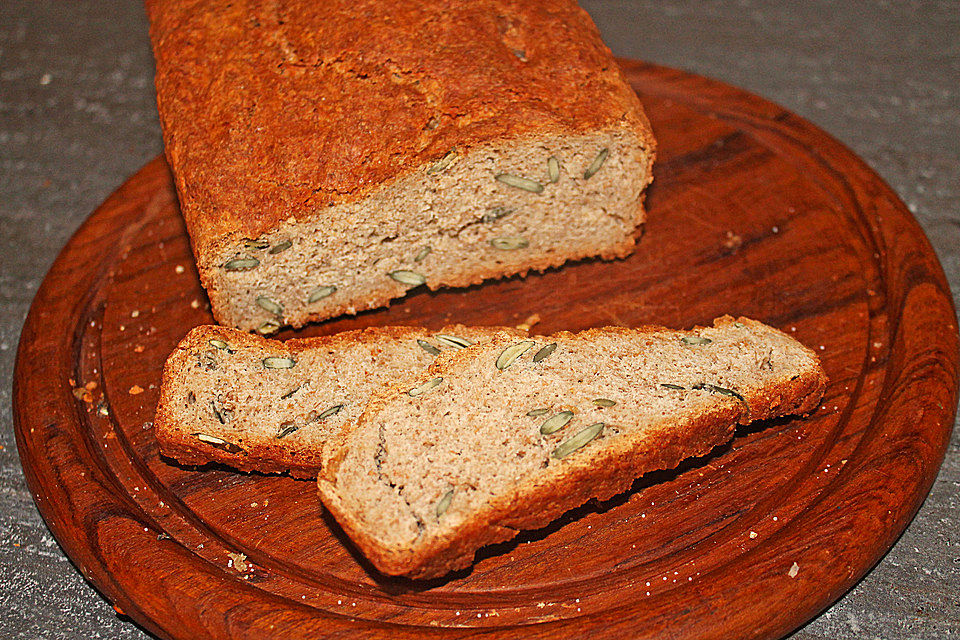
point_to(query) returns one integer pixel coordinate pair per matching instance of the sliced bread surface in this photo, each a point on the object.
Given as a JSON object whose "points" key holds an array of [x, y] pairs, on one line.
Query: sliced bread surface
{"points": [[258, 404], [510, 434]]}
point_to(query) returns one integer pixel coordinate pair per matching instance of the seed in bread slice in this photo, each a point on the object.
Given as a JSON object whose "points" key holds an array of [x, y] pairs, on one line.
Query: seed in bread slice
{"points": [[510, 434], [258, 404]]}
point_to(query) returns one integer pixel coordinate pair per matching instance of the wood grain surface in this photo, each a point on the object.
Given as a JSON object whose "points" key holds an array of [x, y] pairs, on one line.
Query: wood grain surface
{"points": [[753, 211]]}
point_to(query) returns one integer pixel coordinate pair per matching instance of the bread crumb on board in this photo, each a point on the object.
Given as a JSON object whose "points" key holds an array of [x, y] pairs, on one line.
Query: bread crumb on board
{"points": [[135, 390], [529, 323], [794, 570], [238, 561]]}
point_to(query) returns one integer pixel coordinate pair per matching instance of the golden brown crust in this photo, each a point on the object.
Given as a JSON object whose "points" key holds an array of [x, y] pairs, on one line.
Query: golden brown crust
{"points": [[599, 476], [175, 440], [272, 109]]}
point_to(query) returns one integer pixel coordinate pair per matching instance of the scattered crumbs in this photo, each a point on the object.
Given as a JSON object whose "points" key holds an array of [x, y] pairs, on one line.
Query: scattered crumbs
{"points": [[138, 348], [254, 505], [774, 518], [266, 502], [135, 313], [844, 461], [195, 304], [457, 613], [72, 382], [179, 268], [238, 561], [822, 347], [794, 570], [45, 79], [775, 229], [529, 323], [732, 241], [135, 390], [541, 605], [753, 534], [122, 328]]}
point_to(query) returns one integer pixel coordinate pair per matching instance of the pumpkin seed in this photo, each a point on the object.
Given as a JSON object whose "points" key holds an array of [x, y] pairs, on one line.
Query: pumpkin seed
{"points": [[429, 348], [604, 402], [454, 342], [291, 392], [320, 293], [423, 253], [545, 352], [444, 503], [219, 443], [220, 344], [723, 391], [691, 340], [278, 362], [411, 278], [443, 162], [596, 164], [739, 325], [511, 353], [492, 215], [216, 413], [510, 243], [578, 440], [332, 411], [267, 304], [255, 244], [519, 183], [668, 385], [286, 428], [283, 246], [556, 422], [241, 264], [423, 388], [267, 327], [533, 413], [553, 169]]}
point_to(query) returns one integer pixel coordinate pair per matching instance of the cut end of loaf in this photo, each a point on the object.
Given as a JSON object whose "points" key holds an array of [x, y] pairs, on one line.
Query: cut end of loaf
{"points": [[425, 479], [471, 215]]}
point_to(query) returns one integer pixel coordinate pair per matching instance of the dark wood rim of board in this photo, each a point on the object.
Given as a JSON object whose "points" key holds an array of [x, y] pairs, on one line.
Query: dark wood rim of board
{"points": [[115, 543]]}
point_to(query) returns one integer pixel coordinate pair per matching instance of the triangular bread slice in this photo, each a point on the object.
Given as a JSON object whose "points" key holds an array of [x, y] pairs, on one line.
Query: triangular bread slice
{"points": [[510, 434], [258, 404]]}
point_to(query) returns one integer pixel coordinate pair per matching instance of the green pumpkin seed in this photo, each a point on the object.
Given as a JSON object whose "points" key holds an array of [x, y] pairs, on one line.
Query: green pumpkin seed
{"points": [[739, 325], [255, 244], [423, 388], [410, 278], [533, 413], [291, 392], [241, 264], [492, 215], [694, 340], [267, 327], [278, 362], [443, 162], [332, 411], [553, 169], [283, 246], [556, 422], [220, 344], [217, 414], [454, 342], [604, 402], [581, 438], [423, 253], [444, 503], [267, 304], [518, 182], [668, 385], [545, 352], [286, 428], [320, 293], [510, 243], [429, 348], [218, 443], [596, 164], [511, 353], [723, 391]]}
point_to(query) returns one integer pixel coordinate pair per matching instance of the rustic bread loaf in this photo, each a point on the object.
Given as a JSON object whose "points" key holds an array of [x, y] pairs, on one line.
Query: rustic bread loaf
{"points": [[329, 156], [509, 434], [258, 404]]}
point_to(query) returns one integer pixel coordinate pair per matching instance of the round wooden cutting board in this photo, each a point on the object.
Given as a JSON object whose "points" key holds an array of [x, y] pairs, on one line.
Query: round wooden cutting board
{"points": [[754, 211]]}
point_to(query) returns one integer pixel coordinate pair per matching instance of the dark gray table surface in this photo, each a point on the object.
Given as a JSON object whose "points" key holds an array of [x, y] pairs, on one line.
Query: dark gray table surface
{"points": [[77, 116]]}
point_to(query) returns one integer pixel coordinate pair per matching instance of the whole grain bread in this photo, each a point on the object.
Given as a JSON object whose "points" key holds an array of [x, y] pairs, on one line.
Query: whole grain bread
{"points": [[510, 434], [257, 404], [329, 156]]}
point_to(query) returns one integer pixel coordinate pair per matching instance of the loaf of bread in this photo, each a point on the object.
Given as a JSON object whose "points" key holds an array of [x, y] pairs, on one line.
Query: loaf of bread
{"points": [[330, 156], [509, 434], [257, 404]]}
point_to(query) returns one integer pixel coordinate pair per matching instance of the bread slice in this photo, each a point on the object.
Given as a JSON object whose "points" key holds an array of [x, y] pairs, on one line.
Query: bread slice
{"points": [[257, 404], [478, 446], [330, 156]]}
